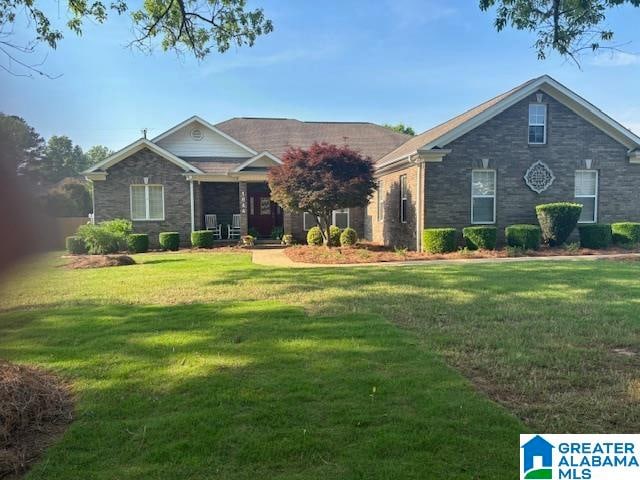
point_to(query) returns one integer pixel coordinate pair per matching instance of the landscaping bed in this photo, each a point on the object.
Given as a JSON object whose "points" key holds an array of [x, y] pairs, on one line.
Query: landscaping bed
{"points": [[35, 408], [99, 261], [373, 253]]}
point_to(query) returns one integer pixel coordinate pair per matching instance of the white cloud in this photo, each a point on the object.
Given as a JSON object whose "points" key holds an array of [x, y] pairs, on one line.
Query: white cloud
{"points": [[615, 59], [243, 61]]}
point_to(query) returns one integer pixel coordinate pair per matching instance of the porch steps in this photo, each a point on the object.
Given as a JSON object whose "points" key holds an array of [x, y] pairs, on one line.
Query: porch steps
{"points": [[267, 243]]}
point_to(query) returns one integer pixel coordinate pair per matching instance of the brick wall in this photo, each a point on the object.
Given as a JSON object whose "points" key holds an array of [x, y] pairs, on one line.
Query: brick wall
{"points": [[112, 196], [503, 141], [221, 198], [293, 223], [391, 231]]}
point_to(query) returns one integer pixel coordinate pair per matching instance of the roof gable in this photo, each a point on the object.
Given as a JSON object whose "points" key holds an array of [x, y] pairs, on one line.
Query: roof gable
{"points": [[135, 147], [261, 160], [445, 133], [180, 141]]}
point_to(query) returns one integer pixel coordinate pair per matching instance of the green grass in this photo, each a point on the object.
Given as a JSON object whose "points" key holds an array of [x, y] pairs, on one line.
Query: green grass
{"points": [[206, 366]]}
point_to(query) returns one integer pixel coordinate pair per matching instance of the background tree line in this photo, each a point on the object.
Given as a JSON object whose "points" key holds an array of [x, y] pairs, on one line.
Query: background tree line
{"points": [[50, 170]]}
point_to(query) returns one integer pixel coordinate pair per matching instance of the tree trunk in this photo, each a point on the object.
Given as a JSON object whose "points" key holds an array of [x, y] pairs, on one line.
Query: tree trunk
{"points": [[325, 229]]}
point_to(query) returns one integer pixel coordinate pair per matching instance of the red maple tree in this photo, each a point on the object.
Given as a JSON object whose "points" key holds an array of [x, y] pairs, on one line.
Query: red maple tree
{"points": [[321, 179]]}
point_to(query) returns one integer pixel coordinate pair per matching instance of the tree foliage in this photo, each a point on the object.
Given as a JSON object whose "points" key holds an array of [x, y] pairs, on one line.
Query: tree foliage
{"points": [[402, 128], [62, 159], [24, 152], [96, 154], [197, 26], [322, 179], [20, 145], [566, 26], [71, 199]]}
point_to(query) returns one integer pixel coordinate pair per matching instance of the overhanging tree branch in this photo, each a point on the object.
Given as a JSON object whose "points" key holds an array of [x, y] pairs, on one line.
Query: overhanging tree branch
{"points": [[198, 26]]}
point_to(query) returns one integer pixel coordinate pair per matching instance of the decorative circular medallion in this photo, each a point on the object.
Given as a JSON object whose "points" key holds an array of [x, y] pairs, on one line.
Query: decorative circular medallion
{"points": [[539, 177], [197, 134]]}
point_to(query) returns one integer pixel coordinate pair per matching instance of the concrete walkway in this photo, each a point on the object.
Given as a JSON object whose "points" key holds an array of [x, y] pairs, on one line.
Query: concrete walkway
{"points": [[275, 257]]}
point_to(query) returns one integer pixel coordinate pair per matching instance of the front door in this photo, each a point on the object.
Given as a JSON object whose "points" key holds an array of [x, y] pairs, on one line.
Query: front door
{"points": [[264, 215]]}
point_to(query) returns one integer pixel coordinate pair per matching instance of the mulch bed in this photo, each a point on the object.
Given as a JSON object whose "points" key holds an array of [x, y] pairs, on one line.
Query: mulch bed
{"points": [[373, 253], [35, 408], [99, 261]]}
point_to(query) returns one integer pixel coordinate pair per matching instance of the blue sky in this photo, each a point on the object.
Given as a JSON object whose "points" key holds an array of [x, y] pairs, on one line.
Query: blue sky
{"points": [[387, 61]]}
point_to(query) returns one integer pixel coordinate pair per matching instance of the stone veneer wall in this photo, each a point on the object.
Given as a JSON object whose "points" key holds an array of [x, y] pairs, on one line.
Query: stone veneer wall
{"points": [[112, 196]]}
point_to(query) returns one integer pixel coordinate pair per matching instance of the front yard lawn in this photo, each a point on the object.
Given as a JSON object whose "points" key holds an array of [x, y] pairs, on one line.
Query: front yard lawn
{"points": [[202, 365]]}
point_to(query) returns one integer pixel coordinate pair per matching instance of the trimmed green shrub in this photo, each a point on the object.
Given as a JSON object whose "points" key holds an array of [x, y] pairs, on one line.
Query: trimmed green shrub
{"points": [[138, 242], [118, 226], [75, 245], [439, 240], [348, 237], [169, 240], [314, 236], [480, 238], [202, 239], [523, 236], [99, 240], [121, 229], [557, 221], [626, 233], [334, 235], [595, 235]]}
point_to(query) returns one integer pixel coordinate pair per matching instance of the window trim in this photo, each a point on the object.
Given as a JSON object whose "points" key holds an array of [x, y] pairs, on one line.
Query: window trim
{"points": [[403, 198], [305, 228], [341, 210], [594, 196], [543, 125], [146, 202], [380, 201], [494, 196]]}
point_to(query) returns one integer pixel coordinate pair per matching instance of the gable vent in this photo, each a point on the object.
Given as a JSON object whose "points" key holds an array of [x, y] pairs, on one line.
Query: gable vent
{"points": [[197, 134]]}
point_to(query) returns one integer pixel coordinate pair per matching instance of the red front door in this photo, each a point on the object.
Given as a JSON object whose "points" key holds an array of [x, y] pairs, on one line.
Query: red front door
{"points": [[264, 215]]}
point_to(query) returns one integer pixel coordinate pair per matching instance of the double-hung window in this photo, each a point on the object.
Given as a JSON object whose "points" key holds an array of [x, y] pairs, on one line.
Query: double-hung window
{"points": [[537, 124], [308, 221], [404, 199], [483, 196], [341, 218], [587, 194], [380, 200], [147, 202]]}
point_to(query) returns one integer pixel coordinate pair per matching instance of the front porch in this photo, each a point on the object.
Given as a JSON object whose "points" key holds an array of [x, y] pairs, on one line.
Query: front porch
{"points": [[250, 203]]}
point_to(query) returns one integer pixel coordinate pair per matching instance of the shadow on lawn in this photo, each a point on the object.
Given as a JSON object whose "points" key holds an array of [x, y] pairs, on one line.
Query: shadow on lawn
{"points": [[540, 338], [231, 389], [161, 260]]}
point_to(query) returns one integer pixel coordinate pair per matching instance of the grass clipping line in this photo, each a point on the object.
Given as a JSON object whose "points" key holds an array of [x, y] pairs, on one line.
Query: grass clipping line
{"points": [[35, 407]]}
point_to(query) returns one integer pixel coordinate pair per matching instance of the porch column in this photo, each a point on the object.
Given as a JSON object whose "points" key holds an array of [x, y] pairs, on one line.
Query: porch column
{"points": [[244, 215], [287, 222]]}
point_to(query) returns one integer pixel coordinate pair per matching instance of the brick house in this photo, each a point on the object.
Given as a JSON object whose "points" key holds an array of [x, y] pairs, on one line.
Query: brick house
{"points": [[537, 143]]}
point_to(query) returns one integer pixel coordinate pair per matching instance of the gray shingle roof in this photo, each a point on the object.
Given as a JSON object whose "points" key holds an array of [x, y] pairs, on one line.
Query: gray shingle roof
{"points": [[276, 135], [411, 146]]}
